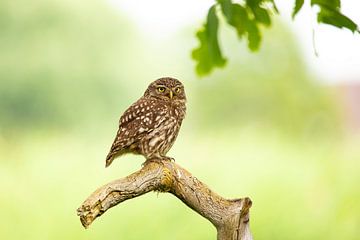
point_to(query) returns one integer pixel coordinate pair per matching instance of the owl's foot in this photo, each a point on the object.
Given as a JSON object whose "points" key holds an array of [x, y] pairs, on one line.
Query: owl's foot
{"points": [[158, 159], [166, 158]]}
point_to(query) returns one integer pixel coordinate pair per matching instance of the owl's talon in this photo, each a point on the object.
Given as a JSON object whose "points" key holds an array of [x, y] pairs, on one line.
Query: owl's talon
{"points": [[166, 158]]}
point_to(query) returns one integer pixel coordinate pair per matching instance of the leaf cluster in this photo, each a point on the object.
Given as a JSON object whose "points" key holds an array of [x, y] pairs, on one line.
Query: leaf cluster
{"points": [[247, 18]]}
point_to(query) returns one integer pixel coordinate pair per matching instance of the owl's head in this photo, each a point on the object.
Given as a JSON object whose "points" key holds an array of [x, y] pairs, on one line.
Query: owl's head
{"points": [[167, 89]]}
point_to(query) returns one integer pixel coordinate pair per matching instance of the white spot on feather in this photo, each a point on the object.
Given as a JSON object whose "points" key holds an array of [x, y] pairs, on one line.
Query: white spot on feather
{"points": [[154, 141], [141, 129]]}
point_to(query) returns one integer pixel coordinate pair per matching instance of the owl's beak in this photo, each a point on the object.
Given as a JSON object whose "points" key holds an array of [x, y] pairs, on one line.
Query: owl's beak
{"points": [[171, 94]]}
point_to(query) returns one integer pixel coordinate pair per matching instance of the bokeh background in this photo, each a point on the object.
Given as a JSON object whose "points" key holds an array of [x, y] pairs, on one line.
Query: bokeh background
{"points": [[271, 125]]}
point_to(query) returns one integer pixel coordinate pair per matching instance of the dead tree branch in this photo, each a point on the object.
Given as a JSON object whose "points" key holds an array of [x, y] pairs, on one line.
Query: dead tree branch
{"points": [[230, 217]]}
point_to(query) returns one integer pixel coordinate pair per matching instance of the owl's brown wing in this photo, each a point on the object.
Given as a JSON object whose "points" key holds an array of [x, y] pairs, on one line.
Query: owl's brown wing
{"points": [[137, 121]]}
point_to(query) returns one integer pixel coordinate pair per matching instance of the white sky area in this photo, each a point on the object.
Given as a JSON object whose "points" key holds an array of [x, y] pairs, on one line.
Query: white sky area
{"points": [[338, 50]]}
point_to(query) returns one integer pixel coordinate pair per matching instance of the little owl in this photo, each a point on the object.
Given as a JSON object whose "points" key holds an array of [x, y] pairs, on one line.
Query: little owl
{"points": [[150, 126]]}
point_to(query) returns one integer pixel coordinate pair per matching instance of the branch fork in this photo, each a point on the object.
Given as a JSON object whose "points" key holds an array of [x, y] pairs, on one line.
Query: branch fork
{"points": [[230, 217]]}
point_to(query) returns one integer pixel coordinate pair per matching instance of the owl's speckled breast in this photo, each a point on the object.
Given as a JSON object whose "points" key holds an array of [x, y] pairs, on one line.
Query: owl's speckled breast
{"points": [[159, 141]]}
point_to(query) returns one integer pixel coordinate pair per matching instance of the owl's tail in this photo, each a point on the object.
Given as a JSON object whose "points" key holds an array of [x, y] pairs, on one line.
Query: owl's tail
{"points": [[109, 159], [115, 149]]}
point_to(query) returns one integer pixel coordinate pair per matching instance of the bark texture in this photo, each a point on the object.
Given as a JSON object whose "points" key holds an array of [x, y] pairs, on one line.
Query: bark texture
{"points": [[230, 217]]}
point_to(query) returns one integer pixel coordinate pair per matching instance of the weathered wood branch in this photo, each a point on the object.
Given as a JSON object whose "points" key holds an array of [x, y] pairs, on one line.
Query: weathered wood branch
{"points": [[230, 217]]}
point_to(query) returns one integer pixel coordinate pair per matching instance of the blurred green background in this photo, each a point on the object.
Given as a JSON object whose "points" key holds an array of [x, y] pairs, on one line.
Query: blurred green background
{"points": [[262, 127]]}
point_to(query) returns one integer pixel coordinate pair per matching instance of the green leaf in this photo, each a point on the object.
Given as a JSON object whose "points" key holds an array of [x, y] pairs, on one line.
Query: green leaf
{"points": [[262, 15], [254, 37], [298, 6], [246, 19], [237, 16], [330, 14], [332, 4], [226, 8], [335, 18], [208, 54]]}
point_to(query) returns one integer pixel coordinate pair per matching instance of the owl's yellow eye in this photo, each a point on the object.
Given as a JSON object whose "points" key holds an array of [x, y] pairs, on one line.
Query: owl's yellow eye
{"points": [[161, 89], [177, 90]]}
